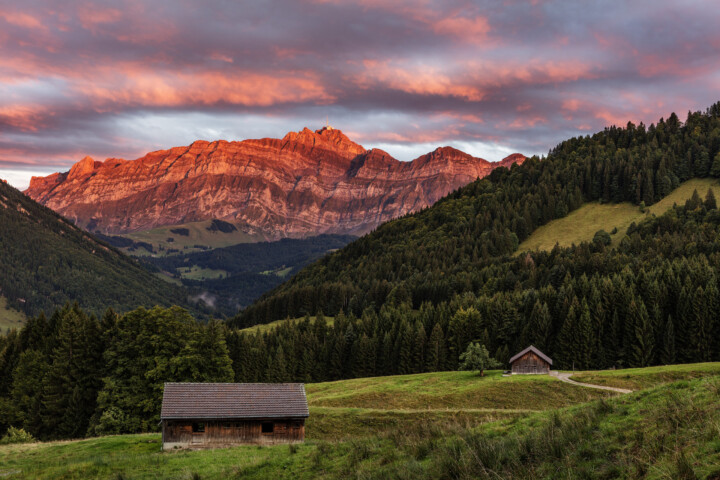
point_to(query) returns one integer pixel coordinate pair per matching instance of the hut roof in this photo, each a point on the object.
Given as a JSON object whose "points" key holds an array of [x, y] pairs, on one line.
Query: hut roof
{"points": [[234, 400], [535, 351]]}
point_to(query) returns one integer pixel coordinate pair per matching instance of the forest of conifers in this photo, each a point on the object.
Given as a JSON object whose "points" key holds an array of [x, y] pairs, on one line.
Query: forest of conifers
{"points": [[46, 261], [412, 295]]}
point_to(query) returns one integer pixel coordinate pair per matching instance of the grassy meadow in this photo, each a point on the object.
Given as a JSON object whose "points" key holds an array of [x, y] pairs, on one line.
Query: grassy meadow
{"points": [[198, 234], [266, 327], [580, 225], [442, 425], [639, 378], [9, 318], [450, 390]]}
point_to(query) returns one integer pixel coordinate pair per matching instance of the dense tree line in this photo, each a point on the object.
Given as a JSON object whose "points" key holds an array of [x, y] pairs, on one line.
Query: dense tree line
{"points": [[653, 300], [46, 261], [73, 375], [439, 252]]}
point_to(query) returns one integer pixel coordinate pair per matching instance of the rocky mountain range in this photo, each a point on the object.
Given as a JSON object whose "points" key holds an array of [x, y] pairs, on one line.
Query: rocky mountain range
{"points": [[307, 183]]}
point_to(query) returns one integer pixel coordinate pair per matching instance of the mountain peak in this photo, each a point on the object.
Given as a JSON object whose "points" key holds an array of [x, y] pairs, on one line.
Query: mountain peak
{"points": [[327, 137], [82, 168]]}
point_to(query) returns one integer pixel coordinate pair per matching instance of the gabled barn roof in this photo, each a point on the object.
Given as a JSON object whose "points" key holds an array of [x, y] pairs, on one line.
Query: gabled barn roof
{"points": [[234, 400], [535, 351]]}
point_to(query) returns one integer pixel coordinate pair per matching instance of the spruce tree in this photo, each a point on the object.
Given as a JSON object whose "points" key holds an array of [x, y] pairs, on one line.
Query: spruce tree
{"points": [[418, 361], [715, 169], [27, 392], [702, 164], [405, 351], [434, 358], [702, 326], [72, 381], [216, 364], [584, 339], [644, 341], [710, 202], [277, 371], [337, 358], [667, 355], [567, 345]]}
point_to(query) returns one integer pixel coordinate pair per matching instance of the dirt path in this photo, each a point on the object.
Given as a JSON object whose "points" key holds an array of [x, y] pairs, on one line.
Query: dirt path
{"points": [[565, 377]]}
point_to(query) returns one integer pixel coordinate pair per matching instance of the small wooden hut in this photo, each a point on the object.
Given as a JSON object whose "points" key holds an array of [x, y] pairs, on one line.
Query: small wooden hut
{"points": [[212, 415], [529, 361]]}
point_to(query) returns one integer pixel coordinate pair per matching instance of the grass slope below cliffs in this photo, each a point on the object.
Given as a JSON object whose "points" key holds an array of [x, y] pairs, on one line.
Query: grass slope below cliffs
{"points": [[581, 225], [667, 431], [190, 237], [46, 261]]}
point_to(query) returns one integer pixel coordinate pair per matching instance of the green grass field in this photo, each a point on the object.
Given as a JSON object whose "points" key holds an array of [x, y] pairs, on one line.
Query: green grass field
{"points": [[197, 273], [451, 390], [9, 318], [441, 425], [281, 272], [639, 378], [266, 327], [580, 225], [198, 235]]}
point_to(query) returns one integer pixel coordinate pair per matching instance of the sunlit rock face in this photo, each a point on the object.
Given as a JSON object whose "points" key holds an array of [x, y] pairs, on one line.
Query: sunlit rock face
{"points": [[304, 184]]}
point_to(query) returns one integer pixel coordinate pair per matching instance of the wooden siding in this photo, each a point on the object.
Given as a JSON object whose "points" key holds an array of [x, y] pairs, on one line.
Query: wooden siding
{"points": [[530, 363], [232, 432]]}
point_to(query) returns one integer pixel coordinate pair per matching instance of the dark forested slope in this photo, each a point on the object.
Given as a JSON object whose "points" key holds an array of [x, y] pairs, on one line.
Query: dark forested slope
{"points": [[412, 295], [46, 261], [441, 251]]}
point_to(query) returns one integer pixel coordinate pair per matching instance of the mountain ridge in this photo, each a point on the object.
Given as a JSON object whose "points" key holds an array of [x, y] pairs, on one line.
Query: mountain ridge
{"points": [[307, 183]]}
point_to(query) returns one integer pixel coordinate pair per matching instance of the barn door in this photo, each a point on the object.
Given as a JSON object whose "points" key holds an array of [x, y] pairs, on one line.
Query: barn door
{"points": [[198, 433]]}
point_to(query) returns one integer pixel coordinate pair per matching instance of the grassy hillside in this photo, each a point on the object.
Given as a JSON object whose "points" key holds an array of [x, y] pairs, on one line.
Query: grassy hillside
{"points": [[9, 317], [638, 378], [580, 225], [365, 407], [668, 431], [198, 233], [266, 327], [46, 261], [450, 390]]}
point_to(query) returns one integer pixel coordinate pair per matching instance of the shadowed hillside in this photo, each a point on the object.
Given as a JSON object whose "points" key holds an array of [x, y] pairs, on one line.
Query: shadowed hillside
{"points": [[47, 261]]}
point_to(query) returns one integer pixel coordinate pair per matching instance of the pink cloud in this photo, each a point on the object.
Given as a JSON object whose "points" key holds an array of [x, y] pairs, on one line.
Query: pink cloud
{"points": [[571, 104], [23, 117], [22, 19], [92, 17], [169, 89], [471, 30], [220, 57], [527, 122], [415, 79]]}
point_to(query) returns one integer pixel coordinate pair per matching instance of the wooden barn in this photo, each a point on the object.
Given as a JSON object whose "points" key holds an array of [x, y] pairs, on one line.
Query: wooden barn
{"points": [[529, 361], [212, 415]]}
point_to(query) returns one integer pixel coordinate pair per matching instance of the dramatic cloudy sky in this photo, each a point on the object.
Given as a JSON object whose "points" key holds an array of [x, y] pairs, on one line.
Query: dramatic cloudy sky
{"points": [[120, 78]]}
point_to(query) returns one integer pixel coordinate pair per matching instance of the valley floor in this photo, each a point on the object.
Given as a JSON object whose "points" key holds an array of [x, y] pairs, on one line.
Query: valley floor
{"points": [[444, 425]]}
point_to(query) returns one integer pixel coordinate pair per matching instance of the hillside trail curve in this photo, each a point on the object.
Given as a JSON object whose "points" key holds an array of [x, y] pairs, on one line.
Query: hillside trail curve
{"points": [[565, 377]]}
